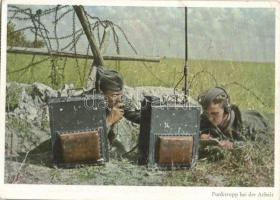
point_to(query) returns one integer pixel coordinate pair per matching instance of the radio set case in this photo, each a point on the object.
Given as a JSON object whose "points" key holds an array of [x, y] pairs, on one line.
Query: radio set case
{"points": [[169, 134], [78, 130]]}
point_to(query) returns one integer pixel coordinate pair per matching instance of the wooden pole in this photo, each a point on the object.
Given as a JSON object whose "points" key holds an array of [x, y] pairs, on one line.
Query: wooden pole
{"points": [[42, 52], [98, 60]]}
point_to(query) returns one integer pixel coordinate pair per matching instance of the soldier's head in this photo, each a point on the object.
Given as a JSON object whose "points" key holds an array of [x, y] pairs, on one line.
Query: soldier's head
{"points": [[111, 84], [216, 104]]}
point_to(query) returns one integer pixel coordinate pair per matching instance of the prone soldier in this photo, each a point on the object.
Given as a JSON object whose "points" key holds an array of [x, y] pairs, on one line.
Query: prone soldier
{"points": [[118, 107], [225, 122]]}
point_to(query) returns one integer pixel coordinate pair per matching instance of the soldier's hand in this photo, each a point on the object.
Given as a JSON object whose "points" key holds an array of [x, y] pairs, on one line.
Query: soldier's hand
{"points": [[119, 105], [116, 114], [205, 136], [226, 144]]}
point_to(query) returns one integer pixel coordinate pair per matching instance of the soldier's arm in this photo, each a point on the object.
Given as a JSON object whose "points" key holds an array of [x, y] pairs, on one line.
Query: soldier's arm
{"points": [[133, 116], [114, 115], [131, 112]]}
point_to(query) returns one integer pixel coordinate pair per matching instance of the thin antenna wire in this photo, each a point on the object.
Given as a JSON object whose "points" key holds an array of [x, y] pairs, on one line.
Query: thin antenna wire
{"points": [[186, 90], [186, 35], [185, 75]]}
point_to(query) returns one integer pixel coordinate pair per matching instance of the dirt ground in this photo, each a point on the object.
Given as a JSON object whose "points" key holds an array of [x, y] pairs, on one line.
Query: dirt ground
{"points": [[250, 165]]}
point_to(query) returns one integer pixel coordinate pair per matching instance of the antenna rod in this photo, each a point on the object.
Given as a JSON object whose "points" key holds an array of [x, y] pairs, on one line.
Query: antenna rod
{"points": [[186, 89]]}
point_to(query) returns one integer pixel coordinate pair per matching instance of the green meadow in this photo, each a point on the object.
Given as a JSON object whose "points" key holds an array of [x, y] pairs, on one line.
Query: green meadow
{"points": [[250, 85]]}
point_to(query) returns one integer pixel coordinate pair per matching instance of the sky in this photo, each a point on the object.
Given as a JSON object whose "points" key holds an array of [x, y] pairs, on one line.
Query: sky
{"points": [[240, 34]]}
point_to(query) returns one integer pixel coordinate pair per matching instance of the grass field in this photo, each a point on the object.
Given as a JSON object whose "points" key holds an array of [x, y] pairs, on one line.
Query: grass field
{"points": [[251, 85]]}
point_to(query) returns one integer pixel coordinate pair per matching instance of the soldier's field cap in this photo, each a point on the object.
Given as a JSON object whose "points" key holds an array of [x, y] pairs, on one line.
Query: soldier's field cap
{"points": [[206, 97], [109, 80]]}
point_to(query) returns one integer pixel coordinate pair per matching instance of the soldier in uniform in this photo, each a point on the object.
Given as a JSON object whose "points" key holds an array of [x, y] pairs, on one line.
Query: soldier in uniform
{"points": [[120, 113], [225, 122]]}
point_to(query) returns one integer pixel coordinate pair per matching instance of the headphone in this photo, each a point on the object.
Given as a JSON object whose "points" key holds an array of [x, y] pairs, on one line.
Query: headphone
{"points": [[208, 96]]}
